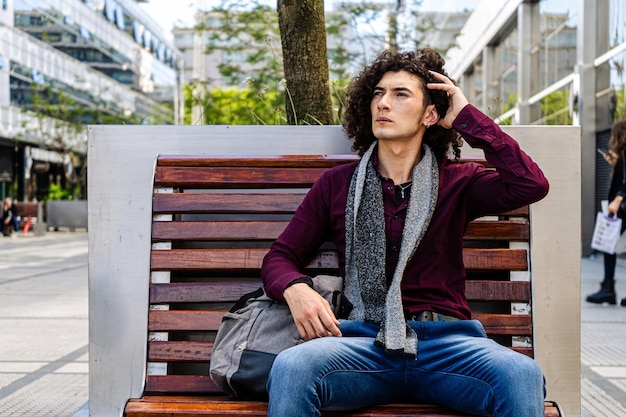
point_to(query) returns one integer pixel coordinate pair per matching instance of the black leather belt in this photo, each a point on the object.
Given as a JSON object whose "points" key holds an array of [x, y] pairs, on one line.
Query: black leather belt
{"points": [[430, 316]]}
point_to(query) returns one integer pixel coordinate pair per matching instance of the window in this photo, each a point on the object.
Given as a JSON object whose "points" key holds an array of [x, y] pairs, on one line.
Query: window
{"points": [[109, 10], [84, 33], [37, 77], [119, 18], [138, 30]]}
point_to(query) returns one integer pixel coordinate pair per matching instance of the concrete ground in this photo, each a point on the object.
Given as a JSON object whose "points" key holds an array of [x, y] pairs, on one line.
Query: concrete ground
{"points": [[44, 331], [43, 324], [603, 342]]}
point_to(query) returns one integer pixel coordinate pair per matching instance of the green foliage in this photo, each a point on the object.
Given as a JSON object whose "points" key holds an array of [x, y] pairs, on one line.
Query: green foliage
{"points": [[619, 111], [56, 192], [555, 109], [248, 106], [48, 102], [236, 106], [247, 37]]}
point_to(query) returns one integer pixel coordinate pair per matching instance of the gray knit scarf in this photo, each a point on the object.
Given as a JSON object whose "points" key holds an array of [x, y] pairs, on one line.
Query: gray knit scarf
{"points": [[365, 279]]}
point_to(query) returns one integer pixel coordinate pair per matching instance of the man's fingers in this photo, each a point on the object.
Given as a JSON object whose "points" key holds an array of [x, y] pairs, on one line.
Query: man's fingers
{"points": [[318, 327], [331, 323], [441, 77], [311, 312]]}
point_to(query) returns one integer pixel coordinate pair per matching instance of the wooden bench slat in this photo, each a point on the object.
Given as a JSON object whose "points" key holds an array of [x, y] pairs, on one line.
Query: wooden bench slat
{"points": [[479, 259], [284, 202], [235, 177], [184, 320], [270, 229], [220, 202], [208, 320], [210, 259], [284, 161], [186, 351], [506, 324], [189, 405], [179, 351], [495, 259], [198, 292], [267, 230], [483, 290], [181, 383], [497, 230], [274, 161], [221, 406]]}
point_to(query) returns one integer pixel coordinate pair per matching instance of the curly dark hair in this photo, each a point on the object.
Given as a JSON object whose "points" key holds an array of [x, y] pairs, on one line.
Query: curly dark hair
{"points": [[617, 142], [357, 121]]}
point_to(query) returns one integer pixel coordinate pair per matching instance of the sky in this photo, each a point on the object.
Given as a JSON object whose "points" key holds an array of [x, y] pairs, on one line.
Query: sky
{"points": [[169, 13]]}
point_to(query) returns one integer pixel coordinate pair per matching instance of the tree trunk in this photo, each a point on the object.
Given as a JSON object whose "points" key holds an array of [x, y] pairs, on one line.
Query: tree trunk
{"points": [[303, 38]]}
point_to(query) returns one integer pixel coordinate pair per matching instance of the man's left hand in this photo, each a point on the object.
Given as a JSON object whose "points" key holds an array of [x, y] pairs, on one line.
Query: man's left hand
{"points": [[456, 98]]}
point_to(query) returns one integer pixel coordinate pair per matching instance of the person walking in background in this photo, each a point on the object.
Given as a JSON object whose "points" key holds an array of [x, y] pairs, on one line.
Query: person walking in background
{"points": [[617, 191], [10, 217]]}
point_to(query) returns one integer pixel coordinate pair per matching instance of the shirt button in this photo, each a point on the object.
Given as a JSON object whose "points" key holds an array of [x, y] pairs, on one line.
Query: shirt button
{"points": [[463, 125], [394, 248], [390, 188], [395, 216]]}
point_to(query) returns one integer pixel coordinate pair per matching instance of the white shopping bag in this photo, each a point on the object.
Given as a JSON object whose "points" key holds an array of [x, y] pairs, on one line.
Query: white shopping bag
{"points": [[606, 233], [620, 246]]}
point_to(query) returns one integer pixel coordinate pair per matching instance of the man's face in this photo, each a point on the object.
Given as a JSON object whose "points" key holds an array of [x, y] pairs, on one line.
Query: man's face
{"points": [[398, 107]]}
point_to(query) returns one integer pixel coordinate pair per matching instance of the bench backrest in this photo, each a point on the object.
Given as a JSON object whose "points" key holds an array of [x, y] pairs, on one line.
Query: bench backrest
{"points": [[26, 209], [214, 218]]}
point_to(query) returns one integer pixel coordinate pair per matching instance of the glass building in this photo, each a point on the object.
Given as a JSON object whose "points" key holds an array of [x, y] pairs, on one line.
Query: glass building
{"points": [[550, 62], [65, 64]]}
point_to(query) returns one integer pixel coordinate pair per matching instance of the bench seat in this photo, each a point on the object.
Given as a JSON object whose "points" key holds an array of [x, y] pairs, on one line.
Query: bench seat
{"points": [[214, 219], [197, 406]]}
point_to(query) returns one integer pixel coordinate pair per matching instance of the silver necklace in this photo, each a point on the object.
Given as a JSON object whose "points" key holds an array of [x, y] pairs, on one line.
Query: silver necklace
{"points": [[404, 187]]}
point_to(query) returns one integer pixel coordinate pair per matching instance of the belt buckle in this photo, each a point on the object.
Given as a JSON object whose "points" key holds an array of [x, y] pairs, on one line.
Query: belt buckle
{"points": [[424, 316], [429, 316]]}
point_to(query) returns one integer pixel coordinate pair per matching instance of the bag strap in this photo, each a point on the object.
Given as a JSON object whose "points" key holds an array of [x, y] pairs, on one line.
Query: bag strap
{"points": [[244, 299]]}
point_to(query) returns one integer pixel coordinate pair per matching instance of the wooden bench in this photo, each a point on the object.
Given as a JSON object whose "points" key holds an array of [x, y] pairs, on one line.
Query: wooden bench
{"points": [[214, 219], [28, 211]]}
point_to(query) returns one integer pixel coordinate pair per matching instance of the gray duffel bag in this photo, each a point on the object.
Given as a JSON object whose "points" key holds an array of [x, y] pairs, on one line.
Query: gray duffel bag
{"points": [[253, 332]]}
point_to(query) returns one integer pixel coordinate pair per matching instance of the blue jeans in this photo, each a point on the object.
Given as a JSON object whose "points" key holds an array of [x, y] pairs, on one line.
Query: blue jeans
{"points": [[456, 366]]}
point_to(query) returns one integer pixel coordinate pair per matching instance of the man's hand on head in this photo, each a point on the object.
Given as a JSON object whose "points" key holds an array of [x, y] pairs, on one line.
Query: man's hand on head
{"points": [[456, 98]]}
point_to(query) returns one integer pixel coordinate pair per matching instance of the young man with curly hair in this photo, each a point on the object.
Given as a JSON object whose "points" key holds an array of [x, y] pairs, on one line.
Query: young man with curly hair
{"points": [[397, 218]]}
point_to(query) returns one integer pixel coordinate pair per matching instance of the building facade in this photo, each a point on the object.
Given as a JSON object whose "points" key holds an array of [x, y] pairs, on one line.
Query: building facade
{"points": [[550, 62], [65, 64]]}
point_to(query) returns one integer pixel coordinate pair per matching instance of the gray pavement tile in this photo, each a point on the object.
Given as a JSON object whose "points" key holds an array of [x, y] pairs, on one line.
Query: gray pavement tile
{"points": [[603, 344], [52, 395], [597, 403], [44, 325]]}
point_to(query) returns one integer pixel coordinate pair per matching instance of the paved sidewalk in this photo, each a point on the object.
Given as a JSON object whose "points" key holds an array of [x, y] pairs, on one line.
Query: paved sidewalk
{"points": [[603, 340], [43, 324], [44, 331]]}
